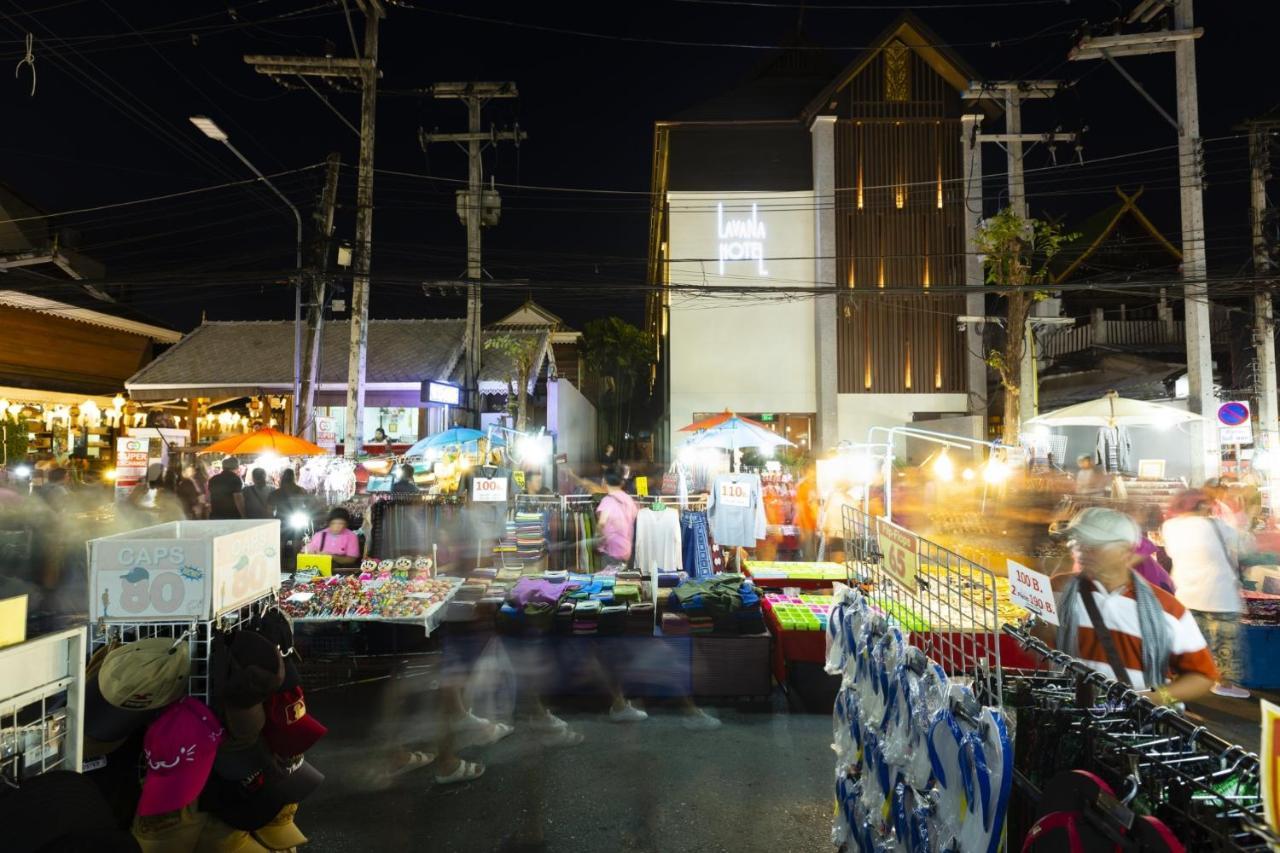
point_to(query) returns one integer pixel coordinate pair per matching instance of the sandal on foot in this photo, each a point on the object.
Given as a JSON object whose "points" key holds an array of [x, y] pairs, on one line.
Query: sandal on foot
{"points": [[465, 772], [563, 737]]}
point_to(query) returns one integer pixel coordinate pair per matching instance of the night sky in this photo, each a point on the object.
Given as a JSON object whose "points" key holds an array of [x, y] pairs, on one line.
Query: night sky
{"points": [[117, 82]]}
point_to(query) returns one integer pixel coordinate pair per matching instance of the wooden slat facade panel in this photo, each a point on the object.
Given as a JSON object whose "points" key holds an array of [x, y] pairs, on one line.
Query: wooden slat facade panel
{"points": [[899, 209], [57, 354]]}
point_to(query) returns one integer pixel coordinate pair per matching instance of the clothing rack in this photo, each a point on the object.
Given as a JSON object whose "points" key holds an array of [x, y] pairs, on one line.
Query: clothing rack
{"points": [[1205, 788]]}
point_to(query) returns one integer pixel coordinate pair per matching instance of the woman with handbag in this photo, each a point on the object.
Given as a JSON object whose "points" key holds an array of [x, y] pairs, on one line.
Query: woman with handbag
{"points": [[1205, 553]]}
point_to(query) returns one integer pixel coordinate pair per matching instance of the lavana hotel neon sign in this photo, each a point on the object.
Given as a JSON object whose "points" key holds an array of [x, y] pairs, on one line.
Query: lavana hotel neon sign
{"points": [[741, 239]]}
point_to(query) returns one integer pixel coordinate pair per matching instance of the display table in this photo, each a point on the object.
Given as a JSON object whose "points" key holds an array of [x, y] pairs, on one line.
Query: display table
{"points": [[416, 601], [800, 575]]}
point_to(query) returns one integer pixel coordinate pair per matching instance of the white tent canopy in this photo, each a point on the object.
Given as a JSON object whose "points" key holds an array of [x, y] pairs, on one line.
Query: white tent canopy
{"points": [[1112, 410]]}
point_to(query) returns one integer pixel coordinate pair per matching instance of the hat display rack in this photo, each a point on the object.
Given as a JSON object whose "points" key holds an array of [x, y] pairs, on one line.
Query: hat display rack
{"points": [[1148, 763], [41, 705], [199, 634]]}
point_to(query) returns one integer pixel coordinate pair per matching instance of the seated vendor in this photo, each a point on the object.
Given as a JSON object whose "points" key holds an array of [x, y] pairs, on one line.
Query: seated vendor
{"points": [[337, 540]]}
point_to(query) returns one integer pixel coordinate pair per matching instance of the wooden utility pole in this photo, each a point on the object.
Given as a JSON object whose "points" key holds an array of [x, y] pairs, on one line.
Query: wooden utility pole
{"points": [[321, 249], [1011, 94], [477, 206], [1180, 41], [364, 72], [975, 301]]}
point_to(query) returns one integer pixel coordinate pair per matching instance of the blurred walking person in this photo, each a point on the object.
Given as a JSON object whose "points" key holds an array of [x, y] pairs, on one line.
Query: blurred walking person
{"points": [[1205, 552]]}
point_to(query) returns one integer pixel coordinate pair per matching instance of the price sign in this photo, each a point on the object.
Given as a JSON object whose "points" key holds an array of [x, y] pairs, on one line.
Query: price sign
{"points": [[901, 552], [489, 489], [730, 493], [1033, 591], [642, 487], [1269, 777], [327, 433]]}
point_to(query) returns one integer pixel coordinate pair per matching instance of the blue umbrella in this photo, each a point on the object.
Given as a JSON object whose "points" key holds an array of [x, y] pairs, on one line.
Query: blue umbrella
{"points": [[449, 438]]}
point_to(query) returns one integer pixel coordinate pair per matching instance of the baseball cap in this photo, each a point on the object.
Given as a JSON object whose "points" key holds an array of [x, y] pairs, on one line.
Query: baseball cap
{"points": [[134, 680], [218, 837], [253, 670], [175, 830], [289, 729], [251, 800], [1097, 525], [281, 833], [276, 627], [179, 747]]}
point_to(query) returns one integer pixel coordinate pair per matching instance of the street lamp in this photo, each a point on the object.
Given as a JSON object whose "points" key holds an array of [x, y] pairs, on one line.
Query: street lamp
{"points": [[210, 128]]}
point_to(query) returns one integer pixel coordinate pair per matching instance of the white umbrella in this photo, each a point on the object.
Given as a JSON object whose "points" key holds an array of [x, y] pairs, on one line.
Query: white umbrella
{"points": [[1112, 410], [735, 434]]}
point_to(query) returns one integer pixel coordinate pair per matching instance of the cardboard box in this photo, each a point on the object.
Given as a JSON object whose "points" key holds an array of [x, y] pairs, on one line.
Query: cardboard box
{"points": [[183, 570]]}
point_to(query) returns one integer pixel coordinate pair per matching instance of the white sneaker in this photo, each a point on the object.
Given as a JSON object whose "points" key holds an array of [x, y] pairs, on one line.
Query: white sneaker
{"points": [[701, 721], [1230, 691], [548, 723], [629, 714]]}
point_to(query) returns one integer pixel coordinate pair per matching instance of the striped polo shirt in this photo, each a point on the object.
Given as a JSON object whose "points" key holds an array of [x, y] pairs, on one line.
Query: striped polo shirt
{"points": [[1119, 610]]}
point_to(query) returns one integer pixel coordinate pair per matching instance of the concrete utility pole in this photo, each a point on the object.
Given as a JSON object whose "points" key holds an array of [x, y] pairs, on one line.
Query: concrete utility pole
{"points": [[364, 72], [974, 275], [1264, 327], [321, 249], [1180, 41], [477, 206], [1011, 94]]}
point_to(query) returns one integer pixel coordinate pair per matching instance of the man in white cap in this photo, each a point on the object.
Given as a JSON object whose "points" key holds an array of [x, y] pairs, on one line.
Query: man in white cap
{"points": [[1116, 622]]}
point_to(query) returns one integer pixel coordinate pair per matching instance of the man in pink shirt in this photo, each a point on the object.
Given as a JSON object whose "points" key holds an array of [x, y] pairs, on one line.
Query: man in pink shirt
{"points": [[337, 539], [617, 516]]}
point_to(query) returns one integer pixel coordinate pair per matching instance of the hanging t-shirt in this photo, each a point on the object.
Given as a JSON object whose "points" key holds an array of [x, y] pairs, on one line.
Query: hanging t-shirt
{"points": [[488, 490], [735, 510], [658, 541]]}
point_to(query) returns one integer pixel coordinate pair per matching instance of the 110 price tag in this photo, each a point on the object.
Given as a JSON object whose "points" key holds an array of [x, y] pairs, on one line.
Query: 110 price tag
{"points": [[1033, 591]]}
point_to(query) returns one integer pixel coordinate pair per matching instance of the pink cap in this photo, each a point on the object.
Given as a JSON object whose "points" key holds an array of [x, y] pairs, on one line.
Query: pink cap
{"points": [[180, 747]]}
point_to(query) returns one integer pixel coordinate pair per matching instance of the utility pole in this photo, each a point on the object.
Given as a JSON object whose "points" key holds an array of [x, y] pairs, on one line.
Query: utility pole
{"points": [[321, 249], [974, 275], [1264, 328], [1180, 41], [364, 72], [1011, 94], [477, 206]]}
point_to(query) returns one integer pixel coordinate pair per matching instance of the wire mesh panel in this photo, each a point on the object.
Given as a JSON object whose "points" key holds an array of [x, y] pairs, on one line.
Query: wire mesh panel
{"points": [[199, 636], [41, 702], [948, 603]]}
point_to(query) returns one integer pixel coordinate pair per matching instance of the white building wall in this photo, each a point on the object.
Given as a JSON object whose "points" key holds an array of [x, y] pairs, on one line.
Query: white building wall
{"points": [[745, 353], [860, 412], [574, 423]]}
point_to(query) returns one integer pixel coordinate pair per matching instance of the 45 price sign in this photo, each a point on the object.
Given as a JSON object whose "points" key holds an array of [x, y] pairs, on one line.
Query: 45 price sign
{"points": [[901, 552]]}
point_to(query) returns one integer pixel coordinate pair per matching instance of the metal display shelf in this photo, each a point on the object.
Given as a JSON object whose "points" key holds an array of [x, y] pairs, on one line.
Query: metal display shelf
{"points": [[42, 705], [199, 634]]}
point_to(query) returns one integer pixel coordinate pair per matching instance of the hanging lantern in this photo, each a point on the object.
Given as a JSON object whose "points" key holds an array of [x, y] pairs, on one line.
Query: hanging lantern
{"points": [[117, 402]]}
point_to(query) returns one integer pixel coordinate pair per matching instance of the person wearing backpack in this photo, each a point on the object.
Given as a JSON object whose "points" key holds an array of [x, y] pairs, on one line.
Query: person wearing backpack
{"points": [[257, 497], [1205, 552], [1114, 621]]}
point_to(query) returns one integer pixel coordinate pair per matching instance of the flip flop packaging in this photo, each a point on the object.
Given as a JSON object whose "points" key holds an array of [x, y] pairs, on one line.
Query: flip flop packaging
{"points": [[921, 766]]}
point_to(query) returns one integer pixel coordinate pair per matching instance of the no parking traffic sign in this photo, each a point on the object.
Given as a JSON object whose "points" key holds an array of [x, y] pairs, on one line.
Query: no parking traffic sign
{"points": [[1235, 423]]}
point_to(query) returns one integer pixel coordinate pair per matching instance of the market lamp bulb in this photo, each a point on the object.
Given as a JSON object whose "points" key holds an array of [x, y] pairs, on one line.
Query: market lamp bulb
{"points": [[109, 474], [943, 468], [22, 471], [299, 520]]}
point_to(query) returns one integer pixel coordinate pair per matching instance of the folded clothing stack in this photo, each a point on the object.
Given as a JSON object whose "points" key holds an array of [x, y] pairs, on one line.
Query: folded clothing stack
{"points": [[613, 619], [675, 624], [487, 573], [640, 619], [723, 604], [671, 579], [508, 575], [564, 618], [700, 622], [626, 592], [531, 539], [586, 618]]}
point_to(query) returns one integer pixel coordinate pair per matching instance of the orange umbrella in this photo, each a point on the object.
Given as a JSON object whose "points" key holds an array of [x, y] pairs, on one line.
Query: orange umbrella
{"points": [[716, 420], [265, 440]]}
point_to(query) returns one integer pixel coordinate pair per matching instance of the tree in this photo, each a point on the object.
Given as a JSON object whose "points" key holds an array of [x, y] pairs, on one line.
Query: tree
{"points": [[522, 352], [14, 429], [1017, 254], [621, 355]]}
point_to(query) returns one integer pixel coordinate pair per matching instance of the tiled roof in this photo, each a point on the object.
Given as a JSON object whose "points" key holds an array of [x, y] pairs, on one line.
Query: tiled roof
{"points": [[260, 353]]}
